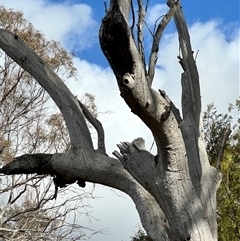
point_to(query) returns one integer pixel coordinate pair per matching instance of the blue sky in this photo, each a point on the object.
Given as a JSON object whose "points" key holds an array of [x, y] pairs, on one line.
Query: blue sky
{"points": [[194, 10], [214, 30], [202, 10]]}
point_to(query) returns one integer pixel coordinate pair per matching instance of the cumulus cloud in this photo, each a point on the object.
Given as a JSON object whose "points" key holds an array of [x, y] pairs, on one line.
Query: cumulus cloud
{"points": [[217, 60], [218, 64], [155, 12], [116, 214], [71, 24], [121, 124]]}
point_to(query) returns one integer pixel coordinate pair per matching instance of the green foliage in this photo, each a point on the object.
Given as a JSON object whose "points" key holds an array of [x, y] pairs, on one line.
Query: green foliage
{"points": [[214, 125], [140, 236], [228, 198]]}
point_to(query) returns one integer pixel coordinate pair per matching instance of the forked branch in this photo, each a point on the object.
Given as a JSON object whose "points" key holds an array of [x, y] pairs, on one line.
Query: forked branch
{"points": [[97, 125], [190, 80]]}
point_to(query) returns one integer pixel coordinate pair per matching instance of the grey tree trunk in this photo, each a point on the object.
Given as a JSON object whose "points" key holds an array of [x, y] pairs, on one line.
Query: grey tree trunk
{"points": [[174, 191]]}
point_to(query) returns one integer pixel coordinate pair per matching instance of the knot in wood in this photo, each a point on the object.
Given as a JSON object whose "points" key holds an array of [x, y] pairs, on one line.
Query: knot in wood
{"points": [[128, 81]]}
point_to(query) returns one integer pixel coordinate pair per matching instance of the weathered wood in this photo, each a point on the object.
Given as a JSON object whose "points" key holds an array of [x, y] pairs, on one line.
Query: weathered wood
{"points": [[97, 125], [64, 99], [205, 178], [174, 191]]}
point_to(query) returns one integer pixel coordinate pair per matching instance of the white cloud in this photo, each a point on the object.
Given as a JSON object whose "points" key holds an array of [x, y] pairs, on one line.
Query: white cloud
{"points": [[117, 214], [218, 63], [121, 124], [71, 24], [114, 212], [155, 13]]}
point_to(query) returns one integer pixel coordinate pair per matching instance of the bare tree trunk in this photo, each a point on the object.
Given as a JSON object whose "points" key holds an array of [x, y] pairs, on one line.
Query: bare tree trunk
{"points": [[182, 160], [174, 191]]}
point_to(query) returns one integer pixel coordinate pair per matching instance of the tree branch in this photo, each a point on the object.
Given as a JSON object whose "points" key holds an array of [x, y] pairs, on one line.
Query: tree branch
{"points": [[141, 16], [133, 19], [40, 164], [97, 125], [155, 110], [33, 64], [78, 162], [155, 174], [96, 167], [28, 164], [225, 136], [191, 96], [123, 5], [204, 177], [156, 39]]}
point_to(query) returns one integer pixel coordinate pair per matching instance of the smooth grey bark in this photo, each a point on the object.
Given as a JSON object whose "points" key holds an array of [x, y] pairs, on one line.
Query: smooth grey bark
{"points": [[181, 152], [174, 191], [204, 177]]}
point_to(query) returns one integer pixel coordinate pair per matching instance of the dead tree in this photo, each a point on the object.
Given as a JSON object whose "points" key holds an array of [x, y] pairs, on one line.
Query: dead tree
{"points": [[175, 190]]}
